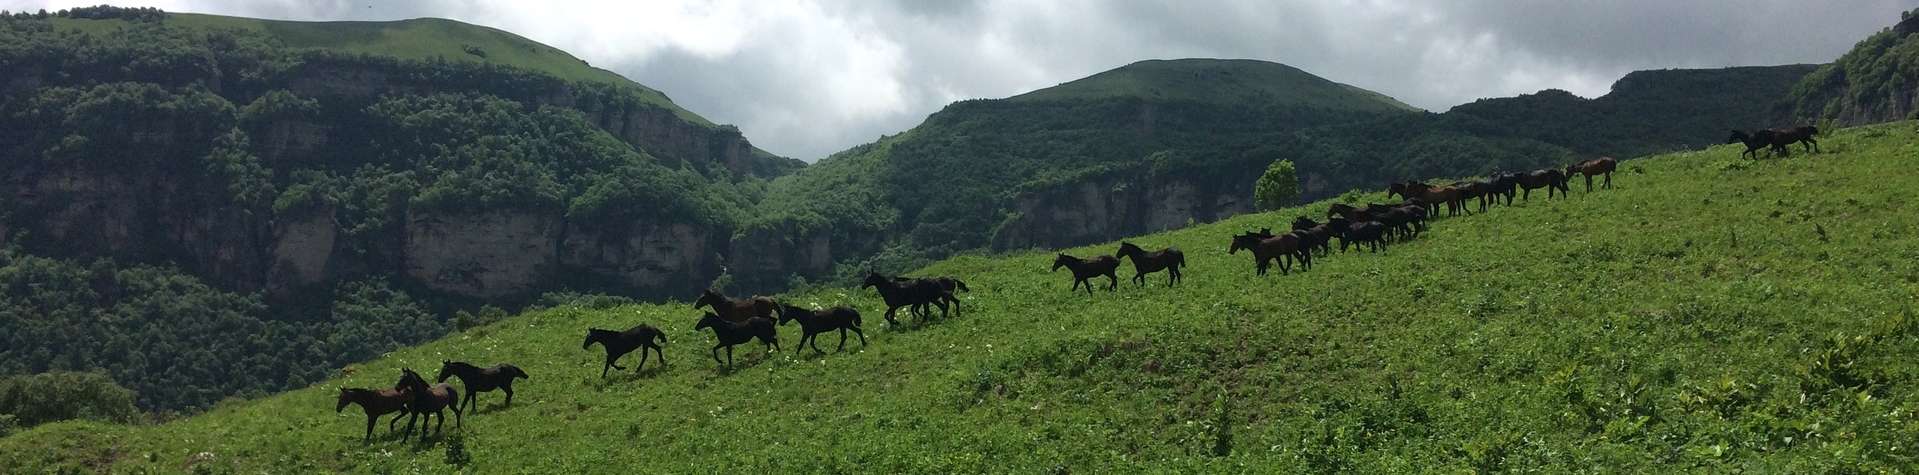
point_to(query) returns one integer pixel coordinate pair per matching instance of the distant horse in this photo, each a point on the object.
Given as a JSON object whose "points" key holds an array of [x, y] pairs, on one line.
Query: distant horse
{"points": [[815, 322], [1550, 179], [1314, 236], [1084, 270], [1503, 183], [730, 333], [1597, 166], [618, 344], [1754, 141], [428, 401], [1365, 233], [1802, 135], [736, 309], [1169, 259], [1480, 190], [1404, 222], [479, 379], [1433, 196], [910, 293], [376, 403], [951, 284], [1266, 248]]}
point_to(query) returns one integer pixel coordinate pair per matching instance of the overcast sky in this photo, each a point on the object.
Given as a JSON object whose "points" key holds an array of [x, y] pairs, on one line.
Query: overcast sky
{"points": [[806, 78]]}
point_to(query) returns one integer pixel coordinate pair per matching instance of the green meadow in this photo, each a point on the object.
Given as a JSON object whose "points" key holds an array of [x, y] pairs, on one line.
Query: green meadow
{"points": [[1707, 314]]}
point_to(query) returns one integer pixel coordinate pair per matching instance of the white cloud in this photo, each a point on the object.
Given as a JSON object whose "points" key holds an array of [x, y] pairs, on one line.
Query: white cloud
{"points": [[806, 78]]}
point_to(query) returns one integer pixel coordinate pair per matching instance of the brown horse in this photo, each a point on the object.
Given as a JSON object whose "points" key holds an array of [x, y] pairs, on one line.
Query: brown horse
{"points": [[815, 322], [1168, 259], [1266, 248], [952, 285], [1433, 196], [618, 344], [910, 293], [1313, 235], [730, 333], [737, 310], [1754, 141], [376, 403], [1362, 233], [1597, 166], [479, 379], [1084, 270], [1550, 179], [1802, 135], [428, 401]]}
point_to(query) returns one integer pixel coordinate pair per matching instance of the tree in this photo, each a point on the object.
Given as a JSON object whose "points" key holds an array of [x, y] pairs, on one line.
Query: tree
{"points": [[32, 400], [1278, 187]]}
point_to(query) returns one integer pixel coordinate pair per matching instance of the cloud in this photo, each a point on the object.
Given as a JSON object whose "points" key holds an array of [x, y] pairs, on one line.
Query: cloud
{"points": [[806, 78]]}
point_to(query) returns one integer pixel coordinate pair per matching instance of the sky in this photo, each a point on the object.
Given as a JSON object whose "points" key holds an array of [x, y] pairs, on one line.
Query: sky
{"points": [[806, 78]]}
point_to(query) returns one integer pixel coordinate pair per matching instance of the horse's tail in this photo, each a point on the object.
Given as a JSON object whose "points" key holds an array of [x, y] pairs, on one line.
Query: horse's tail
{"points": [[856, 317], [1179, 258]]}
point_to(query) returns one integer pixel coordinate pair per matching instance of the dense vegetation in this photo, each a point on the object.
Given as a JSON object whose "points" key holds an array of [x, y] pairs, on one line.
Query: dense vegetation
{"points": [[1778, 338], [150, 160], [31, 400], [1878, 80]]}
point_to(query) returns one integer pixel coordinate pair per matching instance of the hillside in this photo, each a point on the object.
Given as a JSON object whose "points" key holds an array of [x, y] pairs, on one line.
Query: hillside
{"points": [[1874, 82], [1778, 338], [1218, 81]]}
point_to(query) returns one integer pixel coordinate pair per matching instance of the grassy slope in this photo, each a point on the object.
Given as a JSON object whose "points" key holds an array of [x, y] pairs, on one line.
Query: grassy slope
{"points": [[416, 39], [1690, 317], [1220, 81]]}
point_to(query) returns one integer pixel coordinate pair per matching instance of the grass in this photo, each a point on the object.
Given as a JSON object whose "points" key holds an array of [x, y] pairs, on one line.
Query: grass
{"points": [[416, 39], [1709, 313]]}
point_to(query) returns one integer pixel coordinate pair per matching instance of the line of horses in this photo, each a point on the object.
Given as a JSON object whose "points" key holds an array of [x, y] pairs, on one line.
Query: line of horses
{"points": [[413, 398]]}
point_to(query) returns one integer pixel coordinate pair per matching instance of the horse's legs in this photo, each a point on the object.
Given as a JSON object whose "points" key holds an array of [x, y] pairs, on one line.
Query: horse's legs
{"points": [[661, 355], [1589, 183], [1113, 278], [509, 390], [370, 419], [815, 339], [842, 340], [889, 316], [716, 354], [1527, 195]]}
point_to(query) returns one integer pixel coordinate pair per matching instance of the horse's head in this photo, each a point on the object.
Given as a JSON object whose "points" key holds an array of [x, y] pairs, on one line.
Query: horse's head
{"points": [[1737, 136], [874, 280], [516, 373], [447, 370], [790, 313], [346, 398], [410, 379], [1303, 222], [592, 335], [708, 321], [1060, 261], [1127, 249], [1244, 241], [709, 298]]}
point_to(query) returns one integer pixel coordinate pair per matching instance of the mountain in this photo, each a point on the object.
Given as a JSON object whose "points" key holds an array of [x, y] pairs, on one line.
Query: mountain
{"points": [[1874, 82], [336, 189], [1710, 313], [1163, 144]]}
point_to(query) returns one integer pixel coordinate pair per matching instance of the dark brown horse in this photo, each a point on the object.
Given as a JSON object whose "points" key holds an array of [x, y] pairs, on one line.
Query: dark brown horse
{"points": [[1266, 248], [479, 379], [428, 401], [376, 403], [618, 344], [737, 310], [1589, 168], [1803, 135], [729, 333], [1433, 196], [952, 285], [1503, 183], [910, 293], [1362, 233], [1550, 179], [815, 322], [1314, 236], [1084, 270], [1754, 141], [1168, 259]]}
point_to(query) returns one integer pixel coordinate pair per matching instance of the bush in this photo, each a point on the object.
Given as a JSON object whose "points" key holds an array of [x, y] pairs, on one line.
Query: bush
{"points": [[1277, 188], [31, 400]]}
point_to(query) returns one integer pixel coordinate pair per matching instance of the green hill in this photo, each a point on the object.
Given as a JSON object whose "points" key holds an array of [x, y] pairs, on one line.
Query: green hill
{"points": [[1873, 82], [1218, 81], [1709, 314]]}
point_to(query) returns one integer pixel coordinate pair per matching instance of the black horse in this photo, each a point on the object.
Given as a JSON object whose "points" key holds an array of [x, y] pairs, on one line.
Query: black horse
{"points": [[1084, 270], [730, 333], [1365, 233], [1551, 179], [1314, 236], [1168, 259], [1754, 141], [952, 285], [815, 322], [618, 344], [479, 379], [910, 293]]}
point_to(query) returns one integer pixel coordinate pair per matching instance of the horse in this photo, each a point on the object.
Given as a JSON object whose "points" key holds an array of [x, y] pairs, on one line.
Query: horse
{"points": [[1266, 247], [1481, 190], [428, 401], [1754, 141], [910, 293], [1503, 183], [1802, 135], [1144, 262], [477, 379], [951, 284], [376, 403], [1084, 270], [1314, 235], [1363, 233], [736, 309], [1550, 179], [731, 333], [1597, 166], [618, 344], [1433, 196], [815, 322], [1403, 221]]}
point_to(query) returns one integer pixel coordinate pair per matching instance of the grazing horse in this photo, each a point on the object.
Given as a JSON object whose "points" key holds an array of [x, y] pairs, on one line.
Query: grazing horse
{"points": [[1802, 135], [1266, 248], [376, 403], [1084, 270], [1754, 141], [815, 322], [479, 379], [1550, 179], [1144, 262], [1366, 233], [951, 284], [618, 344], [736, 309], [910, 293], [1597, 166], [731, 333], [428, 401]]}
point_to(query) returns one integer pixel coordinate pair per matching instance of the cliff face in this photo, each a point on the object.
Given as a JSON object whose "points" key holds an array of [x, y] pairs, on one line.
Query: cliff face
{"points": [[1100, 209]]}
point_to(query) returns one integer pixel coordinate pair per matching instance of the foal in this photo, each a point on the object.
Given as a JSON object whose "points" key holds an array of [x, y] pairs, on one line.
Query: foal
{"points": [[815, 322], [479, 379], [1084, 270], [428, 401], [731, 333], [376, 403], [620, 343], [1169, 259]]}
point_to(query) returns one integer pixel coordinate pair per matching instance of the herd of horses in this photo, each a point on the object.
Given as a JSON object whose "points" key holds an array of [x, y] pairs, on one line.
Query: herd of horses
{"points": [[734, 321]]}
